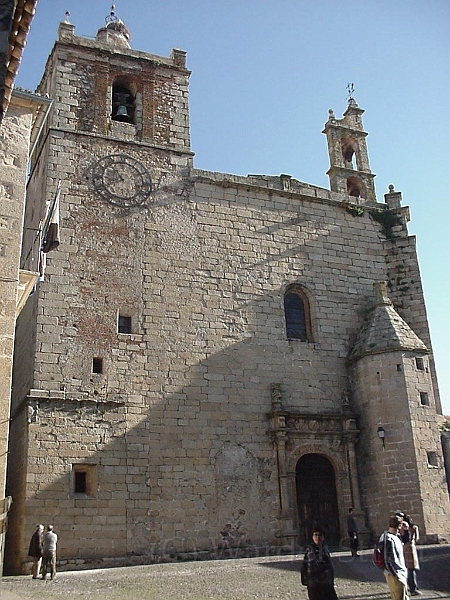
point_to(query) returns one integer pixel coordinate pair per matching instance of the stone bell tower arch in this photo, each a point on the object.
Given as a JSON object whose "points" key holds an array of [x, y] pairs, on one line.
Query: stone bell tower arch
{"points": [[349, 170]]}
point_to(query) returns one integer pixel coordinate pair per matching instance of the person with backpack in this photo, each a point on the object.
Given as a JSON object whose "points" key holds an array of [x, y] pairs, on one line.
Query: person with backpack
{"points": [[394, 563]]}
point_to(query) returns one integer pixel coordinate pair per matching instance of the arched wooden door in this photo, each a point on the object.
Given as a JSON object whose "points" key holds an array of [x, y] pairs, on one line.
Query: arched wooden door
{"points": [[317, 498]]}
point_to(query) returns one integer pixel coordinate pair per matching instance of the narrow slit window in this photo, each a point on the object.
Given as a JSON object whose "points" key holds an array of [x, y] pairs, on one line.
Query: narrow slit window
{"points": [[433, 460], [80, 481], [420, 365], [424, 399], [124, 324], [84, 480], [97, 365], [295, 317]]}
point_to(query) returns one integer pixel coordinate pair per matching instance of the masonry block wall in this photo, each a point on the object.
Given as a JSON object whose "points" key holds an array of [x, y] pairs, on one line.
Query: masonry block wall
{"points": [[405, 469], [80, 75], [14, 142], [406, 292], [202, 275]]}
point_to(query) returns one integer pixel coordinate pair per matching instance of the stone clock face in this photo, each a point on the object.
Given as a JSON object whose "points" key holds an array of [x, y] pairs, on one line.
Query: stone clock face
{"points": [[122, 180]]}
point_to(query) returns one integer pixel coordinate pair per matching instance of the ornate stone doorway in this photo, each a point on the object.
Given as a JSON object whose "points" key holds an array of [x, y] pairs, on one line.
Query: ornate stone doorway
{"points": [[317, 498]]}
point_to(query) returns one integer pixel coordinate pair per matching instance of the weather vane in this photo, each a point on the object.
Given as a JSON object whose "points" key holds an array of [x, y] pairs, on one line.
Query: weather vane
{"points": [[351, 91], [111, 18]]}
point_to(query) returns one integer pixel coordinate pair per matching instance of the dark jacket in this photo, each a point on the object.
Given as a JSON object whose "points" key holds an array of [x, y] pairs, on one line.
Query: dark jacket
{"points": [[35, 549], [318, 566]]}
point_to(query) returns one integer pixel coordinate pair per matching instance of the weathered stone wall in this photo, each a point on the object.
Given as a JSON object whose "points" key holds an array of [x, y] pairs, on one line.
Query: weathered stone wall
{"points": [[16, 484], [198, 271], [78, 432], [406, 292], [37, 195], [397, 475], [14, 141], [202, 272]]}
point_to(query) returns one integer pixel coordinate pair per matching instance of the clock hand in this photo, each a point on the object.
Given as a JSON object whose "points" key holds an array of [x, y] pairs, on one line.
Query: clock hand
{"points": [[113, 175]]}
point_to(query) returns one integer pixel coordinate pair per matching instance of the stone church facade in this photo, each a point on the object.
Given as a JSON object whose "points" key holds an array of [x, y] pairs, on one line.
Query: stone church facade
{"points": [[212, 362]]}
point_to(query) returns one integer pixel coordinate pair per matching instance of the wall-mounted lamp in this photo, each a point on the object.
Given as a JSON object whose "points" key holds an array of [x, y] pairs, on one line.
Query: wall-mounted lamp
{"points": [[381, 434]]}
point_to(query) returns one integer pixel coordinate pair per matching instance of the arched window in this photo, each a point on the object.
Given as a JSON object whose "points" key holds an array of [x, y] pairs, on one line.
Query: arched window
{"points": [[297, 315], [355, 187], [349, 147]]}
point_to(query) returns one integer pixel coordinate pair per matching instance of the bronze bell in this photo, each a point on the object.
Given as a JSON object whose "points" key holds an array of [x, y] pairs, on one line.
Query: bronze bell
{"points": [[122, 99], [122, 114]]}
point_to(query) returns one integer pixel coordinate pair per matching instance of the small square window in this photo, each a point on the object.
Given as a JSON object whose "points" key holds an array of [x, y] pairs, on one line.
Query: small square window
{"points": [[399, 368], [433, 459], [124, 324], [84, 480], [424, 399], [97, 365], [420, 366]]}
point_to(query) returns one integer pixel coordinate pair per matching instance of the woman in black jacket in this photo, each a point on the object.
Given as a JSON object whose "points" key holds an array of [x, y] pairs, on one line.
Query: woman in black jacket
{"points": [[317, 568]]}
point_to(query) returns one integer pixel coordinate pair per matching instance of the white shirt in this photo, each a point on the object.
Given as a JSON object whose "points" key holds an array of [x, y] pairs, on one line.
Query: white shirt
{"points": [[394, 556], [50, 540]]}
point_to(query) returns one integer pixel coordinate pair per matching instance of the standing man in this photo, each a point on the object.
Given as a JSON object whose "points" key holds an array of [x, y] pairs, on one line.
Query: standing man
{"points": [[35, 550], [49, 553], [395, 573], [352, 532]]}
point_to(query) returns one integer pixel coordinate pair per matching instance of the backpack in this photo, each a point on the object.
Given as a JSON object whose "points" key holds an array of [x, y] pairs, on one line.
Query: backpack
{"points": [[379, 553]]}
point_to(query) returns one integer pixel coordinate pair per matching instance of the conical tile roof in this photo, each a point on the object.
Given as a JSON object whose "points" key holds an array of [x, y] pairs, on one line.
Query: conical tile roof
{"points": [[384, 330]]}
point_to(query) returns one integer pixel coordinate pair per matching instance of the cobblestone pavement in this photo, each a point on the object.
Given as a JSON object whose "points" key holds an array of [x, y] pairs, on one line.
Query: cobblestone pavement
{"points": [[262, 578]]}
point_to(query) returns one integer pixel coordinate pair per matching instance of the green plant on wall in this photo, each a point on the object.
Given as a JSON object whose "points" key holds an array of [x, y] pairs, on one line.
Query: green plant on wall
{"points": [[388, 219], [356, 211]]}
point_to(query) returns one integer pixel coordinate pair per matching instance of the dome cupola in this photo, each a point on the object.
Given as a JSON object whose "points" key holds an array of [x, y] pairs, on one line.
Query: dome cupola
{"points": [[115, 32]]}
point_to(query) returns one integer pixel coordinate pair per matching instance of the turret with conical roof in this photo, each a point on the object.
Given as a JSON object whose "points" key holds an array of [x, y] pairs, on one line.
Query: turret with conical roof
{"points": [[392, 394], [384, 330]]}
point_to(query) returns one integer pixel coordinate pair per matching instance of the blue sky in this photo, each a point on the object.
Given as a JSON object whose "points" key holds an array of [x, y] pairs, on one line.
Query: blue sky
{"points": [[265, 73]]}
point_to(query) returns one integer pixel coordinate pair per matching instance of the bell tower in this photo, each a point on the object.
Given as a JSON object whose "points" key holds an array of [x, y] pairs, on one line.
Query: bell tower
{"points": [[106, 88], [115, 157], [349, 170]]}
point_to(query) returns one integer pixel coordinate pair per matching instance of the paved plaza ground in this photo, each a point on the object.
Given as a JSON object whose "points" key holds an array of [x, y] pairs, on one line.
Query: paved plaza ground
{"points": [[262, 578]]}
